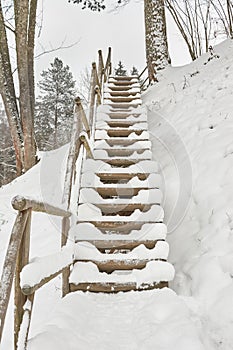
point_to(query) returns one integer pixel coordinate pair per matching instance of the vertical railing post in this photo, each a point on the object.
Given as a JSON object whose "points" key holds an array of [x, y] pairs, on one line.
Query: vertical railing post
{"points": [[92, 95], [100, 69], [22, 260], [66, 272]]}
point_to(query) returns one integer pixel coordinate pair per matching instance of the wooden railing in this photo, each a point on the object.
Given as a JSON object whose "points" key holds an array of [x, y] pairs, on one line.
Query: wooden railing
{"points": [[144, 78], [18, 252]]}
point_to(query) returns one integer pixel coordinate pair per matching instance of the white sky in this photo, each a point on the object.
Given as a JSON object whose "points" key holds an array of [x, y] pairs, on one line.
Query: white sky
{"points": [[123, 31]]}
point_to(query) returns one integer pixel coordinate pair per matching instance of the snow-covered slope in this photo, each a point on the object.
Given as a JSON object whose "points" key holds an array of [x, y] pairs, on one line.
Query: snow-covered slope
{"points": [[191, 124]]}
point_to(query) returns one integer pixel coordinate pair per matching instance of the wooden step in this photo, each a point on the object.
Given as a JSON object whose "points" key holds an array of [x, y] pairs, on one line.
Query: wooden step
{"points": [[123, 209], [120, 88], [115, 287], [114, 265], [123, 77], [125, 142], [123, 124], [120, 132], [126, 244], [119, 192], [123, 93], [121, 162], [122, 105], [136, 146], [120, 177], [117, 227], [123, 115], [142, 153], [121, 99]]}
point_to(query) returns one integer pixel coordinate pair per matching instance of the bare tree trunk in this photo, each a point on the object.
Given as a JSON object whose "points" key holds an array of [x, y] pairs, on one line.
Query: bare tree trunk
{"points": [[22, 29], [8, 94], [156, 37]]}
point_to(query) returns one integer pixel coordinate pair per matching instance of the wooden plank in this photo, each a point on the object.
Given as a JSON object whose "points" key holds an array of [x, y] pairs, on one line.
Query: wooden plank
{"points": [[119, 152], [123, 132], [22, 203], [127, 244], [107, 177], [26, 322], [109, 266], [122, 123], [122, 105], [120, 227], [119, 192], [122, 93], [66, 271], [124, 142], [28, 290], [115, 287], [22, 260], [122, 99], [9, 265], [123, 209]]}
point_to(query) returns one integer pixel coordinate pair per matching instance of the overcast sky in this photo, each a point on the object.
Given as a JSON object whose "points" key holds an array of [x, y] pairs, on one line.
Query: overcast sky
{"points": [[123, 31]]}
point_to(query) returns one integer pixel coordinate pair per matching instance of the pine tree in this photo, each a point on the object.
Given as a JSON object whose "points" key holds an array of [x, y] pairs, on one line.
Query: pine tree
{"points": [[134, 71], [54, 106], [120, 70]]}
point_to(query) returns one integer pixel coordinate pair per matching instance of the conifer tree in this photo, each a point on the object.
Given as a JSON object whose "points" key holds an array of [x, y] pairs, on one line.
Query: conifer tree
{"points": [[134, 71], [120, 70], [54, 106]]}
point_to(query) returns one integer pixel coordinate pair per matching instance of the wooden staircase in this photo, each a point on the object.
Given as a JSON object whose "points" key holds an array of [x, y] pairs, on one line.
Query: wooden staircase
{"points": [[120, 234]]}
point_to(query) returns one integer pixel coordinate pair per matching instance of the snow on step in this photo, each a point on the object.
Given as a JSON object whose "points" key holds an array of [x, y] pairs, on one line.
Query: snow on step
{"points": [[103, 125], [108, 95], [102, 154], [155, 271], [103, 144], [111, 116], [103, 134], [86, 251], [148, 232], [98, 166], [89, 179], [90, 212], [150, 196], [131, 91], [108, 109]]}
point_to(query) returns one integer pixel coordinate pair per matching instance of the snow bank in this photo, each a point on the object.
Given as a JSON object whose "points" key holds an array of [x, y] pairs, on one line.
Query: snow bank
{"points": [[191, 124]]}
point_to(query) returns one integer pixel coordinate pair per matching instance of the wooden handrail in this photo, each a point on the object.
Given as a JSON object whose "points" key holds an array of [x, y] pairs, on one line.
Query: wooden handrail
{"points": [[10, 264], [22, 203], [142, 72]]}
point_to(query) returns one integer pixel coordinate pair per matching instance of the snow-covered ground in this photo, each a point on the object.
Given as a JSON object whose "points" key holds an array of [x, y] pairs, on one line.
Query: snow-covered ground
{"points": [[191, 125]]}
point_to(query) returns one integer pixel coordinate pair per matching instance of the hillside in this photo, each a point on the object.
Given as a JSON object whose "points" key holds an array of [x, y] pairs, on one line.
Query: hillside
{"points": [[191, 124]]}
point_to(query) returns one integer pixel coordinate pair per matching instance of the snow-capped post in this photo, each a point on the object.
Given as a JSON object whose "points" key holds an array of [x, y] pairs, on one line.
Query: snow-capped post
{"points": [[156, 37]]}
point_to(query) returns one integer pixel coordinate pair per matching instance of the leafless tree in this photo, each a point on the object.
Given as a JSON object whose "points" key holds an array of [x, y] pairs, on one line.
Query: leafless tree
{"points": [[20, 113], [196, 21]]}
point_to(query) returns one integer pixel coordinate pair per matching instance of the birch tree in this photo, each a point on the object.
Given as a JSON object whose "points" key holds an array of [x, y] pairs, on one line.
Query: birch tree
{"points": [[20, 115]]}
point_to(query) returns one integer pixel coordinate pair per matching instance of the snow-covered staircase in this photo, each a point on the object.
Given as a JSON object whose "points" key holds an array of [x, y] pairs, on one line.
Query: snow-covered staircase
{"points": [[120, 233]]}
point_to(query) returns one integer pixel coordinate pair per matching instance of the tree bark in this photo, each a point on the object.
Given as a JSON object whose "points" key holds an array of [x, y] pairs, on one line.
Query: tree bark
{"points": [[8, 94], [156, 37], [22, 30]]}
